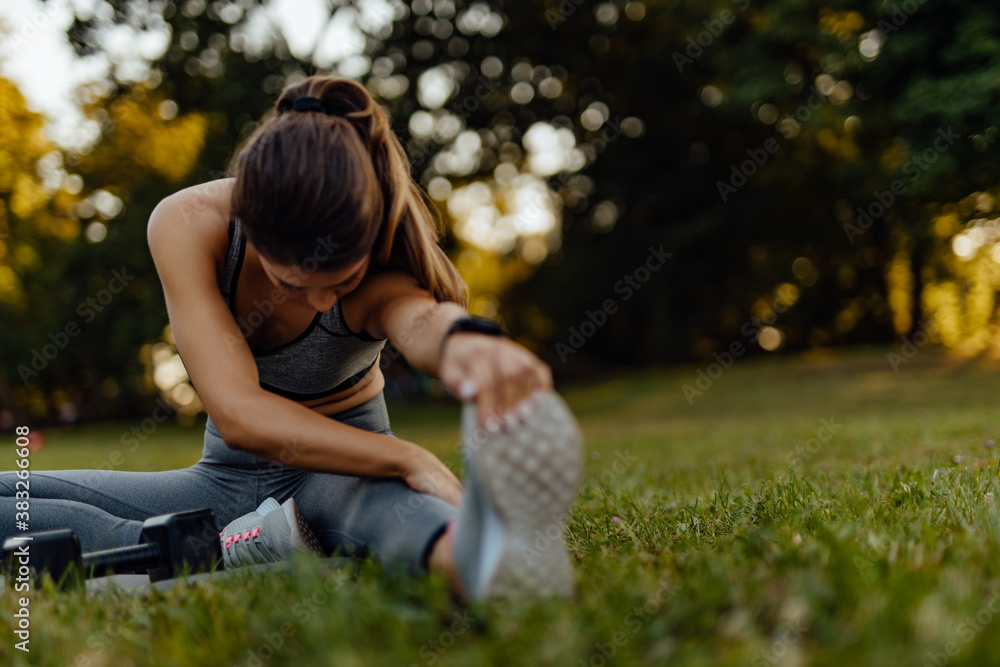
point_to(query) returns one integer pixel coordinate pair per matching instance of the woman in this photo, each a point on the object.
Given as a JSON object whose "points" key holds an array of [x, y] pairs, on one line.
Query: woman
{"points": [[282, 284]]}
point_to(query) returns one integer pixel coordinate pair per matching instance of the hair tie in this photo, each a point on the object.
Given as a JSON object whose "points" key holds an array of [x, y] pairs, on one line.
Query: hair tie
{"points": [[308, 104]]}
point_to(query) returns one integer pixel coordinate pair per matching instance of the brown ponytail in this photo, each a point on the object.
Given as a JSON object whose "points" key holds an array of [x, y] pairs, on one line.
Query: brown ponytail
{"points": [[338, 178]]}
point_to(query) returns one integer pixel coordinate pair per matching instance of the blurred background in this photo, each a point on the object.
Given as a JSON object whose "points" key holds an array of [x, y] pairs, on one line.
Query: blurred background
{"points": [[622, 184]]}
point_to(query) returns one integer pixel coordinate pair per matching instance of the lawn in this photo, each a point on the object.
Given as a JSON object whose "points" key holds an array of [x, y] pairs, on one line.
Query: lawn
{"points": [[810, 510]]}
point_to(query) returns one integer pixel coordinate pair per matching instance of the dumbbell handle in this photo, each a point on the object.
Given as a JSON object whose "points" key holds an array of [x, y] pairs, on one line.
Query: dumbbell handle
{"points": [[122, 559]]}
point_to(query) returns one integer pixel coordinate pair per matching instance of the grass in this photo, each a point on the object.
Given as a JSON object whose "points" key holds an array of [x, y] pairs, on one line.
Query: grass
{"points": [[740, 530]]}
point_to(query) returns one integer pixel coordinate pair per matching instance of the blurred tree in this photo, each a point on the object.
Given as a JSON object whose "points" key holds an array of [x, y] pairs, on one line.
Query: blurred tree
{"points": [[573, 147], [855, 96], [74, 279], [35, 223], [908, 94], [488, 126]]}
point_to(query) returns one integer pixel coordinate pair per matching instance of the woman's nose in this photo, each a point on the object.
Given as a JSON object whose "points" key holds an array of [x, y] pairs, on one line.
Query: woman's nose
{"points": [[322, 300]]}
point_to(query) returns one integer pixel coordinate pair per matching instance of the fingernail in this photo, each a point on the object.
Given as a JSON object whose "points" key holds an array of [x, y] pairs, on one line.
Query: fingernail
{"points": [[467, 390]]}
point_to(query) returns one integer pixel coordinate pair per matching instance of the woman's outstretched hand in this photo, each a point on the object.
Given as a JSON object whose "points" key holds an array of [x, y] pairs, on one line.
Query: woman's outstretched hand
{"points": [[426, 473], [495, 372]]}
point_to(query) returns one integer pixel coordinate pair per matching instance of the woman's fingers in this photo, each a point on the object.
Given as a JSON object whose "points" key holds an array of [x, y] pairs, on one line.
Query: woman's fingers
{"points": [[467, 390], [448, 489], [435, 478], [495, 372], [517, 375], [453, 494]]}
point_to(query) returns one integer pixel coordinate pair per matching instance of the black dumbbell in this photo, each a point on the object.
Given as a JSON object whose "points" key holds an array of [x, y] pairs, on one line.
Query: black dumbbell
{"points": [[168, 544]]}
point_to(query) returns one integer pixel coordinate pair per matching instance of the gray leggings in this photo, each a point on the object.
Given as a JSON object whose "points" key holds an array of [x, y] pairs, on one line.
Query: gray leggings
{"points": [[358, 516]]}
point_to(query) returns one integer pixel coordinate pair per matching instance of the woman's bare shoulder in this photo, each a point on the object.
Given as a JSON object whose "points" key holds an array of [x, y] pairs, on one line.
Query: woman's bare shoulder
{"points": [[195, 219], [204, 203]]}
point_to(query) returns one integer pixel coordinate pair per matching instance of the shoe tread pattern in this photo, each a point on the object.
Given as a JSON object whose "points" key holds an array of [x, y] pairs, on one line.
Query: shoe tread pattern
{"points": [[532, 474]]}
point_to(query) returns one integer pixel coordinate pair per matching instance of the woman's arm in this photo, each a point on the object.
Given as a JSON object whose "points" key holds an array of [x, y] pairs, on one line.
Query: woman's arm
{"points": [[222, 368], [502, 372]]}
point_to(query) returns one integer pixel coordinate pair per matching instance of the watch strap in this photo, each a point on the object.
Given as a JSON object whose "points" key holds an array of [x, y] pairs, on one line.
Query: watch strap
{"points": [[472, 324]]}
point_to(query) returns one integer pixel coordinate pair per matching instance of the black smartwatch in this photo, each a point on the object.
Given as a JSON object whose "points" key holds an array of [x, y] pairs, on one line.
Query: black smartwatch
{"points": [[473, 324]]}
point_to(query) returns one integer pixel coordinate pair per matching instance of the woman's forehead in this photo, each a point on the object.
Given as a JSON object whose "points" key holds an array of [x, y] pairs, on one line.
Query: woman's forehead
{"points": [[301, 275]]}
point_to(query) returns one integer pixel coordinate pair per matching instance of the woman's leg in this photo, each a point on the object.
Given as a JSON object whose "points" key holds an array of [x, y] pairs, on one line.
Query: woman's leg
{"points": [[382, 518], [96, 528], [106, 508], [509, 536]]}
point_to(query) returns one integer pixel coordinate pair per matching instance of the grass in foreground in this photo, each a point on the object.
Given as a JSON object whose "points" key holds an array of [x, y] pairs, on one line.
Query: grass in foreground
{"points": [[810, 510]]}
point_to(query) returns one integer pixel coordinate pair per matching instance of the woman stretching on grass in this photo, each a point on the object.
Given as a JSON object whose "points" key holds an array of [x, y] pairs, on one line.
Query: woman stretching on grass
{"points": [[282, 285]]}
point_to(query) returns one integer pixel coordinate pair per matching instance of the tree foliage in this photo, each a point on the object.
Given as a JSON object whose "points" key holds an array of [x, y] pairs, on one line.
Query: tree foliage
{"points": [[783, 175]]}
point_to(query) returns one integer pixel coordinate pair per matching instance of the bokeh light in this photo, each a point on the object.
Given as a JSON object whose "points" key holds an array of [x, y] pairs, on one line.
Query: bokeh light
{"points": [[770, 338]]}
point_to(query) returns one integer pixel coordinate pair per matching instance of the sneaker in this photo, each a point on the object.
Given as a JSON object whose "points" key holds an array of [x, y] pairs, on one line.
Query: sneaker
{"points": [[272, 532], [520, 483]]}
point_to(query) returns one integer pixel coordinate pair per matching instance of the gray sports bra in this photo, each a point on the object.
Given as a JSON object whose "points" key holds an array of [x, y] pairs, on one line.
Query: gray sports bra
{"points": [[323, 360]]}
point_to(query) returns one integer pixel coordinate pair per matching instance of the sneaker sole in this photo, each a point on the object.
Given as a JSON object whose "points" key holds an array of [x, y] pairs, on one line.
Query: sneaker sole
{"points": [[532, 474], [302, 536]]}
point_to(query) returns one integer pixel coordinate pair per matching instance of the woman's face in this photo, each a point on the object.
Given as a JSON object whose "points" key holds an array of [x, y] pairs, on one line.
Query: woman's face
{"points": [[318, 289]]}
